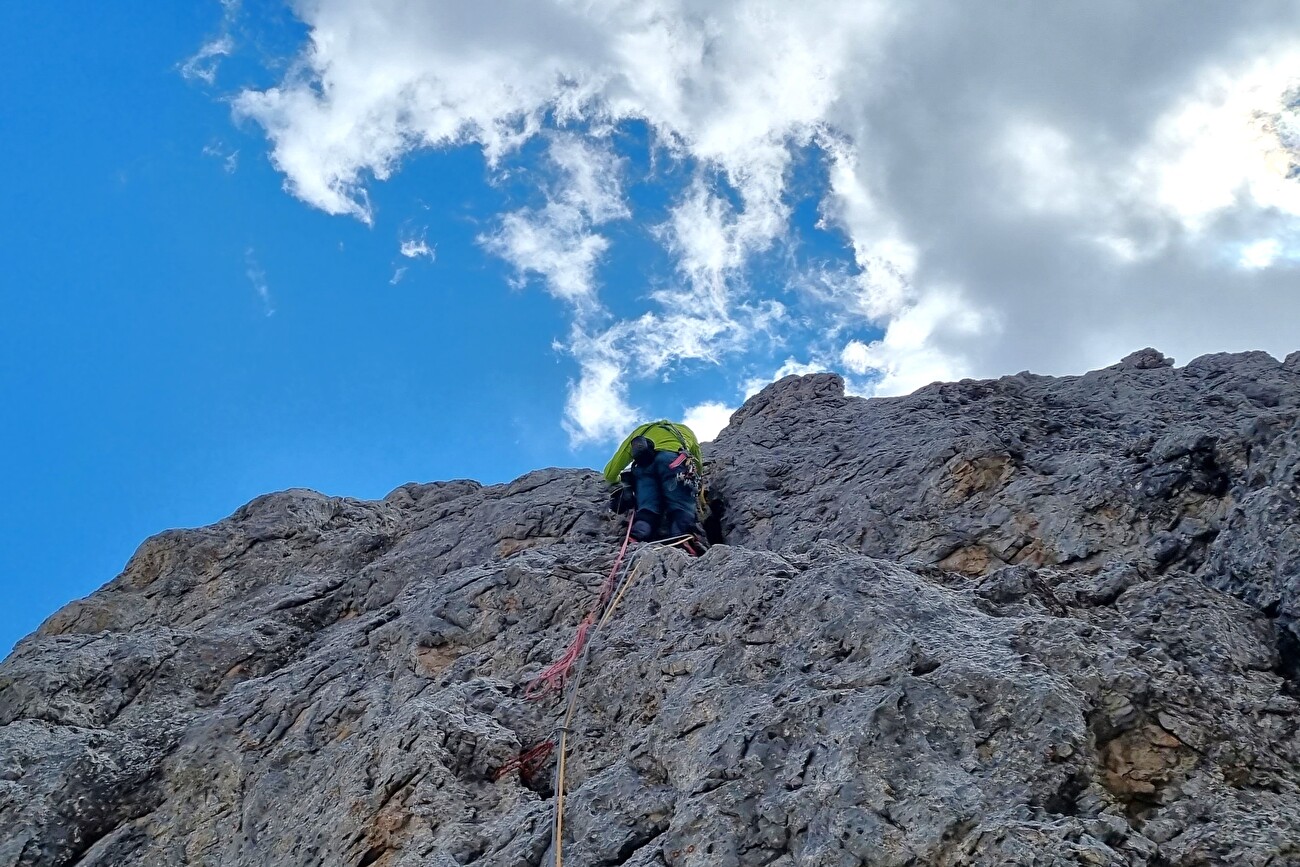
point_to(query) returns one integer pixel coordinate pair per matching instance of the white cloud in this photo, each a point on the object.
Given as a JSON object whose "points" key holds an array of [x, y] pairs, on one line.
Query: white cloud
{"points": [[1260, 254], [707, 419], [1010, 195], [412, 245], [712, 242], [205, 62], [590, 178], [1230, 140], [886, 258], [203, 65], [648, 345], [229, 158], [596, 409], [909, 356], [557, 241], [552, 242], [1233, 136], [415, 248]]}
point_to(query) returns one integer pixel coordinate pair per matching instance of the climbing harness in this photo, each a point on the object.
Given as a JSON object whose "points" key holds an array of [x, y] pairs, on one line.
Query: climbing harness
{"points": [[692, 475], [684, 453]]}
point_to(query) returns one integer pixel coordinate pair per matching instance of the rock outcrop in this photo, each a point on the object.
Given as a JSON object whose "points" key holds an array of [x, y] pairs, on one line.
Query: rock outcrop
{"points": [[1026, 621], [1141, 468]]}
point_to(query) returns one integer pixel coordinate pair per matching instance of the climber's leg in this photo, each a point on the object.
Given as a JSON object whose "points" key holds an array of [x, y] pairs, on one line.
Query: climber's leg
{"points": [[645, 525]]}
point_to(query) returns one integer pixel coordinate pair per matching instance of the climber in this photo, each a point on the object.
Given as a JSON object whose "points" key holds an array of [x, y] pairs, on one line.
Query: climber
{"points": [[664, 483]]}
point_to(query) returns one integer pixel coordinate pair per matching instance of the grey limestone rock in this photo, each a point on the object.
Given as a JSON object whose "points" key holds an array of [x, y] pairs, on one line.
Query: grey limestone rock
{"points": [[1031, 621], [1192, 468]]}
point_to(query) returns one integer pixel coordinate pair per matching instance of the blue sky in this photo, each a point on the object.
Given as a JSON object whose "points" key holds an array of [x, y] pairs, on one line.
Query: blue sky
{"points": [[148, 386], [251, 246]]}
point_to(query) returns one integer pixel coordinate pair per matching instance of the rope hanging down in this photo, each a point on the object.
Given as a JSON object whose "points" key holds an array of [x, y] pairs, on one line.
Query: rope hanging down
{"points": [[562, 761], [557, 675]]}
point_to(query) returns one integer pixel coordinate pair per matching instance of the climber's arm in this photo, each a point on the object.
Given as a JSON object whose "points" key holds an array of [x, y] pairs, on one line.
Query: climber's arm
{"points": [[619, 462]]}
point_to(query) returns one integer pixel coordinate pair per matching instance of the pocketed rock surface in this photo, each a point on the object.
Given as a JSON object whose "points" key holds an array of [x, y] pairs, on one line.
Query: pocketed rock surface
{"points": [[1030, 621]]}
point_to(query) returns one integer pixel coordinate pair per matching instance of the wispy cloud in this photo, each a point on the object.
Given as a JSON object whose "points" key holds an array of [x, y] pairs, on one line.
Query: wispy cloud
{"points": [[228, 157], [555, 243], [416, 248], [597, 408], [203, 65], [257, 279], [559, 241], [413, 246]]}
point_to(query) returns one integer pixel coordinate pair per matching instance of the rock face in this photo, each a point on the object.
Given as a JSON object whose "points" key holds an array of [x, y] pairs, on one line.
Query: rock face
{"points": [[1030, 621], [1139, 468]]}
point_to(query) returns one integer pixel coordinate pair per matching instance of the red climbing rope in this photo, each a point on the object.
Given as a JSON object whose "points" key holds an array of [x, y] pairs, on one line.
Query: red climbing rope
{"points": [[528, 763], [608, 587], [555, 674]]}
